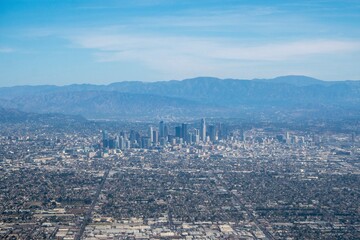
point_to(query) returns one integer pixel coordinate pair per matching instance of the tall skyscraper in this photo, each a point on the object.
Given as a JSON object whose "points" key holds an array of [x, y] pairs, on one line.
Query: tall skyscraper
{"points": [[122, 143], [105, 138], [203, 130], [161, 129], [151, 133], [196, 136], [145, 142], [155, 138], [132, 136], [104, 134], [117, 142], [212, 133], [166, 131], [178, 132], [184, 131], [288, 138]]}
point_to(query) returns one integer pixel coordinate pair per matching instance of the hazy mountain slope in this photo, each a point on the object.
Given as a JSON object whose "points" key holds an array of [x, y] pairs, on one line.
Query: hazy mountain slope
{"points": [[235, 92], [105, 104], [299, 81], [190, 97], [17, 116]]}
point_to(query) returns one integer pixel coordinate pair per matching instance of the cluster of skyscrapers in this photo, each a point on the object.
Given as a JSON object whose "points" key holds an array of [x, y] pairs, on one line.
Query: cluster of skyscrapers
{"points": [[184, 133]]}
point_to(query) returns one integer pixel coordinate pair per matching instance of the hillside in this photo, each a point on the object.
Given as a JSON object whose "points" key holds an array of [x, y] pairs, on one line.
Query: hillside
{"points": [[203, 96]]}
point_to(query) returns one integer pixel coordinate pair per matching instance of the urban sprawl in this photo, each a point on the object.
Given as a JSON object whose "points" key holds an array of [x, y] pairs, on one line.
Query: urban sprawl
{"points": [[198, 180]]}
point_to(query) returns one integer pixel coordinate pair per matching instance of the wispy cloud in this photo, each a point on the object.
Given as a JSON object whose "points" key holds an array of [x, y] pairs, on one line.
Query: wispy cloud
{"points": [[190, 56], [115, 47], [6, 50]]}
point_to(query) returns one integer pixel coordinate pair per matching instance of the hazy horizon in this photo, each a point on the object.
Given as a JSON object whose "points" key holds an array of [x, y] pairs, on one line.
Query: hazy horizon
{"points": [[168, 80]]}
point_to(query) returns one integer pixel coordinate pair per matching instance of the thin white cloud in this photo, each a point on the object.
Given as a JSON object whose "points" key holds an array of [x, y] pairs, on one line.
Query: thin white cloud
{"points": [[115, 47], [186, 57], [6, 50], [287, 50]]}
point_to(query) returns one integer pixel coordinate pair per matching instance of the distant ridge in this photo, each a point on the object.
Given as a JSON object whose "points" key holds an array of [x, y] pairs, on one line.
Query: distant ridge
{"points": [[297, 80], [16, 116], [199, 96]]}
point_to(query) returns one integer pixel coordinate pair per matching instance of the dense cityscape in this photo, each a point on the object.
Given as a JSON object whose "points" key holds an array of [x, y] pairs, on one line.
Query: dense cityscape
{"points": [[180, 119], [204, 179]]}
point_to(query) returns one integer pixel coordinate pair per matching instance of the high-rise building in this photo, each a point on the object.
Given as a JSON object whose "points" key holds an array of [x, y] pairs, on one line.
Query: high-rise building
{"points": [[122, 143], [117, 142], [145, 142], [203, 130], [111, 143], [155, 138], [132, 136], [166, 131], [161, 129], [288, 138], [105, 138], [189, 138], [184, 131], [127, 144], [212, 133], [196, 136], [178, 132], [162, 141], [105, 134], [151, 133], [124, 134], [222, 131]]}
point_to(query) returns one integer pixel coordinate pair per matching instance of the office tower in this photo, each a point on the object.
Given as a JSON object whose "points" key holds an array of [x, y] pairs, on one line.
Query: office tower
{"points": [[151, 133], [122, 143], [145, 142], [203, 130], [190, 138], [162, 141], [178, 132], [171, 138], [288, 138], [105, 139], [124, 134], [161, 129], [127, 144], [184, 131], [138, 138], [105, 134], [117, 142], [132, 136], [212, 133], [196, 136], [166, 131], [111, 143], [222, 131], [155, 138]]}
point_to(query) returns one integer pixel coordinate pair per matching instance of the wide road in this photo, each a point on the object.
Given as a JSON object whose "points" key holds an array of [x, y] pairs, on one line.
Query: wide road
{"points": [[249, 213], [88, 215]]}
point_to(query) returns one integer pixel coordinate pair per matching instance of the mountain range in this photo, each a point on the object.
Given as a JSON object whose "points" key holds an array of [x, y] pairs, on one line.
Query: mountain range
{"points": [[197, 97]]}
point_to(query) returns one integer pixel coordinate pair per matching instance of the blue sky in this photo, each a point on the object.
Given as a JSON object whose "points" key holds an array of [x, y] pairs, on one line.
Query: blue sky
{"points": [[65, 42]]}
